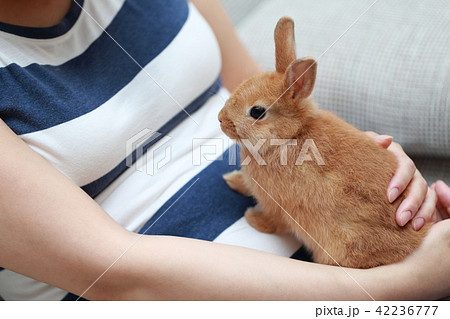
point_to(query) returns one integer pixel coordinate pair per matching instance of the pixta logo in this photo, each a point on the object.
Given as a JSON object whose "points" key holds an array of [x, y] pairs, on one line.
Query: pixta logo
{"points": [[204, 149], [154, 158]]}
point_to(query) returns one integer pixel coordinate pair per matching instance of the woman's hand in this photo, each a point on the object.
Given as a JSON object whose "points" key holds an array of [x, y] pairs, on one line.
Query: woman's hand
{"points": [[429, 266], [420, 204]]}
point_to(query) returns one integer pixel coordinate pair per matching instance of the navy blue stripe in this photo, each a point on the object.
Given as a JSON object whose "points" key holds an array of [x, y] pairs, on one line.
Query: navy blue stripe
{"points": [[46, 33], [205, 210], [37, 97], [302, 254], [72, 297], [94, 188]]}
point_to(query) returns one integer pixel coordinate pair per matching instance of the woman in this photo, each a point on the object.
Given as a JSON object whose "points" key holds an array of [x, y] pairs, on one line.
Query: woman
{"points": [[82, 84]]}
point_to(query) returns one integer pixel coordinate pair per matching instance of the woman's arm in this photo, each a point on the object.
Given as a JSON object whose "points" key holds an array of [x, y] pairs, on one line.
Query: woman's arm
{"points": [[237, 64], [173, 268], [52, 231]]}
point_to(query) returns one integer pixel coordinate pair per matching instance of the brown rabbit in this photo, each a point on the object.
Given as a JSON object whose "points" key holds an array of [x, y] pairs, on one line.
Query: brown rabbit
{"points": [[331, 195]]}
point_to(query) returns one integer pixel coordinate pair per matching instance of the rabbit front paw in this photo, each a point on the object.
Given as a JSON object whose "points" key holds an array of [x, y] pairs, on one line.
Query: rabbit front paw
{"points": [[260, 221], [235, 180]]}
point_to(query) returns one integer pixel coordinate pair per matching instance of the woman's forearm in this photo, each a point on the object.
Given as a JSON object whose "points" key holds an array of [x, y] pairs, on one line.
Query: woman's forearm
{"points": [[171, 268]]}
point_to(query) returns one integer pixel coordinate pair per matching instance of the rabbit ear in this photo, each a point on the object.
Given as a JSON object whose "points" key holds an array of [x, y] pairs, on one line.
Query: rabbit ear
{"points": [[284, 44], [300, 77]]}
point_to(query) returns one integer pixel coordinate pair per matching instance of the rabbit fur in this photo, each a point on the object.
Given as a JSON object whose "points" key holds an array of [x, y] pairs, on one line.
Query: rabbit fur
{"points": [[337, 208]]}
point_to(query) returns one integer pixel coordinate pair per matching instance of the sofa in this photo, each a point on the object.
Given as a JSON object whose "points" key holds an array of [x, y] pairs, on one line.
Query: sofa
{"points": [[383, 66]]}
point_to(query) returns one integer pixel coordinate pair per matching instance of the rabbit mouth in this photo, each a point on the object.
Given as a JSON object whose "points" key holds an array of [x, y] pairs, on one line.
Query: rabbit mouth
{"points": [[229, 129]]}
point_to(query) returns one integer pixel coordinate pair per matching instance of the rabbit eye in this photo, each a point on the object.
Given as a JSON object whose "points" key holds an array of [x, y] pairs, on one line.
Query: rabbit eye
{"points": [[257, 112]]}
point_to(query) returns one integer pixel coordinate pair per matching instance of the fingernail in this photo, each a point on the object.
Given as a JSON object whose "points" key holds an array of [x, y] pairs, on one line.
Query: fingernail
{"points": [[393, 194], [444, 184], [418, 223], [384, 140], [405, 217]]}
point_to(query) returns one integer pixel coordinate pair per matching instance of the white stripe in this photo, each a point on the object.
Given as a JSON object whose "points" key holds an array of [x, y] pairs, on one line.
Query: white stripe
{"points": [[242, 234], [14, 286], [88, 147], [25, 51]]}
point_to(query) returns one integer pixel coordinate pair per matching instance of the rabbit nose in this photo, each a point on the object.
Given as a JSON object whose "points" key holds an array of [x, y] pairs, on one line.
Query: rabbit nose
{"points": [[220, 116]]}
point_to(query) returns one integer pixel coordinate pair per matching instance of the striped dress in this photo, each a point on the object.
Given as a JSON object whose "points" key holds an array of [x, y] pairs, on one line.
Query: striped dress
{"points": [[122, 97]]}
